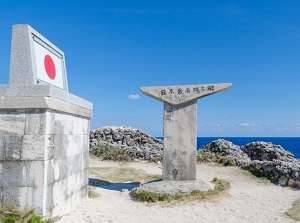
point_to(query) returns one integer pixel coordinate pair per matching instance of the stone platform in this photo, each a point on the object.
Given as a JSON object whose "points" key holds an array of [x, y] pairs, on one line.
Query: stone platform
{"points": [[173, 188]]}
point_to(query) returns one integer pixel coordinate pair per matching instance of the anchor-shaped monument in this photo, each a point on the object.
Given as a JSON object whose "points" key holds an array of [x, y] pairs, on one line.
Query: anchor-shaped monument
{"points": [[180, 126]]}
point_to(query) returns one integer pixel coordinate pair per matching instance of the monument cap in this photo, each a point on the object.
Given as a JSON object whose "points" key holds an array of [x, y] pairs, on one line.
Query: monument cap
{"points": [[35, 60], [175, 95]]}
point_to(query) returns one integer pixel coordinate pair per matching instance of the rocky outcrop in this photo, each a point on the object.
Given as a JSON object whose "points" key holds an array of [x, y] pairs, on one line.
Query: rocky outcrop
{"points": [[224, 148], [138, 143], [273, 161], [266, 151], [263, 159], [280, 172]]}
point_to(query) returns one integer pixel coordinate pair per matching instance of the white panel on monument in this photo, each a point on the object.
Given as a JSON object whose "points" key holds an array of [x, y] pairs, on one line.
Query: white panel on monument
{"points": [[35, 60], [49, 64]]}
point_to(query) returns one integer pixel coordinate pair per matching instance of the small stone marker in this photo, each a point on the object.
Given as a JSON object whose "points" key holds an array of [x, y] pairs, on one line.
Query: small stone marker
{"points": [[180, 126]]}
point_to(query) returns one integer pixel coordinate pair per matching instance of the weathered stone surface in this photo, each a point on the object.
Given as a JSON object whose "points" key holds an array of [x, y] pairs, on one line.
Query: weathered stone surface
{"points": [[173, 188], [180, 133], [38, 163], [142, 145], [175, 95]]}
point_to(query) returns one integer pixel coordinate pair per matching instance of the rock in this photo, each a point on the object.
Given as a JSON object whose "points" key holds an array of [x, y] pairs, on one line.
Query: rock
{"points": [[263, 159], [227, 149], [282, 181], [280, 172], [142, 145], [266, 151]]}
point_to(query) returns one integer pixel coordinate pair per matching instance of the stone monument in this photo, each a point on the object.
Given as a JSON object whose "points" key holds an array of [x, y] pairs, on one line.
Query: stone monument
{"points": [[44, 130], [180, 126]]}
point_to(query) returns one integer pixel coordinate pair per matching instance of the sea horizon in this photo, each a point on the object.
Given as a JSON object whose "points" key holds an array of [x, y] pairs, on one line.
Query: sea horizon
{"points": [[289, 143]]}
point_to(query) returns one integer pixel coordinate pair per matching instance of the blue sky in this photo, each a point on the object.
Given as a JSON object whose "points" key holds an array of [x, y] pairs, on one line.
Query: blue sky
{"points": [[113, 48]]}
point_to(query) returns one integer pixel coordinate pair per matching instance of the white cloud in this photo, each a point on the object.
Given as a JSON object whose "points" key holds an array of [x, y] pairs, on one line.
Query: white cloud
{"points": [[247, 124], [134, 96]]}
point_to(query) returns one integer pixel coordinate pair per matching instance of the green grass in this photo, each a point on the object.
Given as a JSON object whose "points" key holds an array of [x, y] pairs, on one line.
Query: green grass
{"points": [[221, 188], [11, 214], [294, 212], [206, 156], [262, 180], [91, 192], [109, 152], [122, 174]]}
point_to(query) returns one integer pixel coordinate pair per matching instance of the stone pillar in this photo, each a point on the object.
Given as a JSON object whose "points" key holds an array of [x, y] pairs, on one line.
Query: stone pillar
{"points": [[180, 126], [180, 132], [44, 132]]}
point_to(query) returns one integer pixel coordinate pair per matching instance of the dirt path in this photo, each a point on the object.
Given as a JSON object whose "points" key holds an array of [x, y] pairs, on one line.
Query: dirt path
{"points": [[249, 200]]}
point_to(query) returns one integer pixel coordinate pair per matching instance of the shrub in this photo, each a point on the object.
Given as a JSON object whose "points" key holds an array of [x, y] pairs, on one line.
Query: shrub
{"points": [[109, 152], [259, 171], [11, 214], [226, 161], [146, 196], [205, 155], [294, 212], [91, 193]]}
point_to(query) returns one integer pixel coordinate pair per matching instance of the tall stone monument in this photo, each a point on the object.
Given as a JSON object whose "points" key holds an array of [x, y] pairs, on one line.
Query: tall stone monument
{"points": [[44, 130], [180, 126]]}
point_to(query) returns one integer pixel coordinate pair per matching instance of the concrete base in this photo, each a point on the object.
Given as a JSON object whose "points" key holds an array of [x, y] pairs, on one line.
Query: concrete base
{"points": [[43, 155], [173, 188], [43, 160]]}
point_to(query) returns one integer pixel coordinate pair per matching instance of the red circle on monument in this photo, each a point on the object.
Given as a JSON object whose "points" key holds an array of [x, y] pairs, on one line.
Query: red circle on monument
{"points": [[50, 67]]}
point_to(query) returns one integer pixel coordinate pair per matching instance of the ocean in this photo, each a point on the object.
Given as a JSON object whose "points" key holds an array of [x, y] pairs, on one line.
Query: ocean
{"points": [[291, 144]]}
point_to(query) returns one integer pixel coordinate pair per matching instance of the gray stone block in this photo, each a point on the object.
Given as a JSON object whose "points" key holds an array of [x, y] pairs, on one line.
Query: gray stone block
{"points": [[22, 173], [25, 197], [13, 147], [37, 147], [2, 147], [12, 122], [43, 90], [22, 69], [36, 122], [31, 103], [1, 194]]}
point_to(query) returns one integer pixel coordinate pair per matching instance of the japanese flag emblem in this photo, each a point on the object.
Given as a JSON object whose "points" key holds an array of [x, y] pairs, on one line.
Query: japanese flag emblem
{"points": [[49, 64]]}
